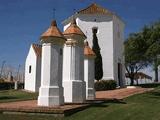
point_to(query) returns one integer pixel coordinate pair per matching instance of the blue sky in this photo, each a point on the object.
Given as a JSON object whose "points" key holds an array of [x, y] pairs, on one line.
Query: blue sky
{"points": [[23, 21]]}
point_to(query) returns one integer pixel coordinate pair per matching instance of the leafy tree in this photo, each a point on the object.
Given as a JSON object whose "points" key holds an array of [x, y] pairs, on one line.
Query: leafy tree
{"points": [[135, 59], [151, 34], [143, 49], [98, 59]]}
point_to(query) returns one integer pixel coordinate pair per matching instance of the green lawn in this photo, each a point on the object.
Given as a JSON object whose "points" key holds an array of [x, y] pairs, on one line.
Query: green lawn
{"points": [[15, 95], [138, 107]]}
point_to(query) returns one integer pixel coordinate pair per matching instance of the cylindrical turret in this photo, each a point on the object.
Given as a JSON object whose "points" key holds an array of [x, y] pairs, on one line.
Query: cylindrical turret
{"points": [[89, 71], [73, 64], [51, 90]]}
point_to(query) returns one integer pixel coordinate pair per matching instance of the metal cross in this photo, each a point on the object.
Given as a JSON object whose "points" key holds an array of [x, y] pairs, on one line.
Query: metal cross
{"points": [[54, 13]]}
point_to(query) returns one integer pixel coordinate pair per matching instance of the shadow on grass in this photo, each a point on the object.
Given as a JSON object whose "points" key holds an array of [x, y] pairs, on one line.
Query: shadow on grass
{"points": [[100, 105], [117, 101], [103, 103], [154, 94], [7, 97]]}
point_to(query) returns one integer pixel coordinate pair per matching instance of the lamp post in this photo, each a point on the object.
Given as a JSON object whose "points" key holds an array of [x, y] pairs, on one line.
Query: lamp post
{"points": [[3, 63]]}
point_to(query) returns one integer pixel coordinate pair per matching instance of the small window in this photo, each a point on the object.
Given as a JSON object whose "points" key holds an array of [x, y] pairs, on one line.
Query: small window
{"points": [[30, 69], [61, 51]]}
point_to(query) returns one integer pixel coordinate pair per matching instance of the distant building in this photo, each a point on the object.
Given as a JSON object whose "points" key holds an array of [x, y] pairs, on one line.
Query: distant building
{"points": [[139, 78]]}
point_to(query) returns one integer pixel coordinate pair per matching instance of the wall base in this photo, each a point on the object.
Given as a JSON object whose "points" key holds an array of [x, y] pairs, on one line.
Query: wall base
{"points": [[74, 91], [51, 96], [90, 94]]}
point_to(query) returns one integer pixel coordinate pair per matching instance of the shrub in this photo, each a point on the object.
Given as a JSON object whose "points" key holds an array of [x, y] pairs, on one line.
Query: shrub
{"points": [[105, 85], [10, 85], [149, 85]]}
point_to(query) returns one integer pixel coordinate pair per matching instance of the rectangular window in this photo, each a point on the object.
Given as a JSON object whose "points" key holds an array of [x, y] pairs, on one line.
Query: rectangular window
{"points": [[30, 68]]}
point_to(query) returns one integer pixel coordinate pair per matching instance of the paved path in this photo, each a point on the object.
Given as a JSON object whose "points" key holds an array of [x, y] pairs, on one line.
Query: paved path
{"points": [[33, 104], [30, 107], [120, 93]]}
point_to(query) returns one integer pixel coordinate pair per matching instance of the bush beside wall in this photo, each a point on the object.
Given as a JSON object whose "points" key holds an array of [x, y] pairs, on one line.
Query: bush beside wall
{"points": [[10, 85], [149, 85], [105, 85]]}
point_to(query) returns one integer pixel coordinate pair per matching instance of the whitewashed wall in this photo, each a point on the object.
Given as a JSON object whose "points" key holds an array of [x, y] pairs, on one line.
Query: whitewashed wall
{"points": [[105, 38], [32, 80], [118, 48], [110, 42], [89, 77], [51, 91], [38, 74], [73, 74], [111, 46]]}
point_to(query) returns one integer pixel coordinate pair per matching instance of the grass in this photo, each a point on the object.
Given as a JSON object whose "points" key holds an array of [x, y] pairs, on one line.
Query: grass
{"points": [[138, 107], [16, 95]]}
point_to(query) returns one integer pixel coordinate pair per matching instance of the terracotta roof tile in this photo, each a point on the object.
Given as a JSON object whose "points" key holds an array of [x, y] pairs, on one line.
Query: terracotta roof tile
{"points": [[87, 50], [73, 29], [37, 49], [95, 9], [52, 31]]}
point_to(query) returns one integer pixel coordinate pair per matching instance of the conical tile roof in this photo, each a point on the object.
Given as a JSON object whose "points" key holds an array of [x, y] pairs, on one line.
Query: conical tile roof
{"points": [[52, 31], [73, 29], [88, 51]]}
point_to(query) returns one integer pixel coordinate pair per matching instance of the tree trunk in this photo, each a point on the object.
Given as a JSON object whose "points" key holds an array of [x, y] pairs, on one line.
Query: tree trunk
{"points": [[156, 74], [156, 70], [132, 81], [137, 81]]}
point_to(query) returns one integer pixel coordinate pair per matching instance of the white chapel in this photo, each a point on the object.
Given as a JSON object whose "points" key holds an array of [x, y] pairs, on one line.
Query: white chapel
{"points": [[61, 67]]}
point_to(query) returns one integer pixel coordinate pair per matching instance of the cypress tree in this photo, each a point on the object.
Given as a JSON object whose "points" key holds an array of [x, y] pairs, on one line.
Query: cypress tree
{"points": [[98, 59]]}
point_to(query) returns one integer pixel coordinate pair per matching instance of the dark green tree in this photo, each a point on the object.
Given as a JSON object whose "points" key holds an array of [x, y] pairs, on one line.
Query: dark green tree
{"points": [[143, 48], [98, 59], [135, 59], [152, 36]]}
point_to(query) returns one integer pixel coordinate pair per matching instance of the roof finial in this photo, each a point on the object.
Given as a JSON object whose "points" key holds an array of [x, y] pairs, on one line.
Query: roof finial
{"points": [[73, 22], [73, 17], [74, 10], [54, 13], [53, 23]]}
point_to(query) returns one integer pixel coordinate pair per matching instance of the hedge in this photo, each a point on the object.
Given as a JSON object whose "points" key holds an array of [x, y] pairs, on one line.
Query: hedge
{"points": [[149, 85], [10, 85], [105, 85]]}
